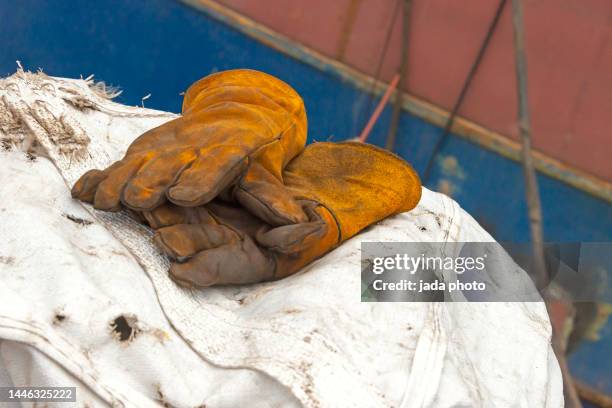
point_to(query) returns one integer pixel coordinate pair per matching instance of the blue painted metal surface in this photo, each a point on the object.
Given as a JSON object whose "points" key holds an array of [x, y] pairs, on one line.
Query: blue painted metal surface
{"points": [[161, 46]]}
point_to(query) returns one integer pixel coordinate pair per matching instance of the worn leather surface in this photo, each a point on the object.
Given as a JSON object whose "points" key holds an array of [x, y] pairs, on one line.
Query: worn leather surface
{"points": [[238, 130], [342, 187]]}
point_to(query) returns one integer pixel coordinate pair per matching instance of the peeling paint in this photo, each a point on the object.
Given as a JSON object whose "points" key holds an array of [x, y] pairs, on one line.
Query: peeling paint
{"points": [[451, 168], [446, 187]]}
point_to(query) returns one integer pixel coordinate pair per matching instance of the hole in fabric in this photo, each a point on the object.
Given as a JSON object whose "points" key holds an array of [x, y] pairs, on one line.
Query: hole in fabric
{"points": [[124, 328]]}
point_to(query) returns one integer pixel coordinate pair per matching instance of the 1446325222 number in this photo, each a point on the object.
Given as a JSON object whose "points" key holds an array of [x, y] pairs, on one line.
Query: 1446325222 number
{"points": [[36, 394]]}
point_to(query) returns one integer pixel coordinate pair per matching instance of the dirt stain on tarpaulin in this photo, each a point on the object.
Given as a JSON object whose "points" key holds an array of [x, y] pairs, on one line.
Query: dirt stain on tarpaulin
{"points": [[437, 216], [308, 387], [7, 260], [161, 398], [59, 317], [77, 220], [126, 327]]}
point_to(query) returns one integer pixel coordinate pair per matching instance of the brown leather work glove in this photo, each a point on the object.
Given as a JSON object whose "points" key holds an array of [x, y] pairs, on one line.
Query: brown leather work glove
{"points": [[342, 187], [238, 130]]}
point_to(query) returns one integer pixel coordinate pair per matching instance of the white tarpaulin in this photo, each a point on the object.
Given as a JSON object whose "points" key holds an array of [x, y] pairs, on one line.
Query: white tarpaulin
{"points": [[85, 299]]}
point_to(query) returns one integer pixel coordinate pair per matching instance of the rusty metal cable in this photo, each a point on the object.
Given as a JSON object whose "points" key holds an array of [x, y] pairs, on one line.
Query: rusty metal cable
{"points": [[466, 85], [381, 60], [397, 106], [534, 206]]}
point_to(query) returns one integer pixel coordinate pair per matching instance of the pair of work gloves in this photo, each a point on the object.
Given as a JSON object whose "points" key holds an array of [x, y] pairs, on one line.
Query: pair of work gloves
{"points": [[234, 195]]}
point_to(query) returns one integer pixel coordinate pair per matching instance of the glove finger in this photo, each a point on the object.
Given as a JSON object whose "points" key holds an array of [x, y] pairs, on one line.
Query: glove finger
{"points": [[212, 172], [265, 196], [184, 240], [169, 214], [236, 263], [291, 239], [147, 189], [85, 187], [235, 216], [108, 193]]}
